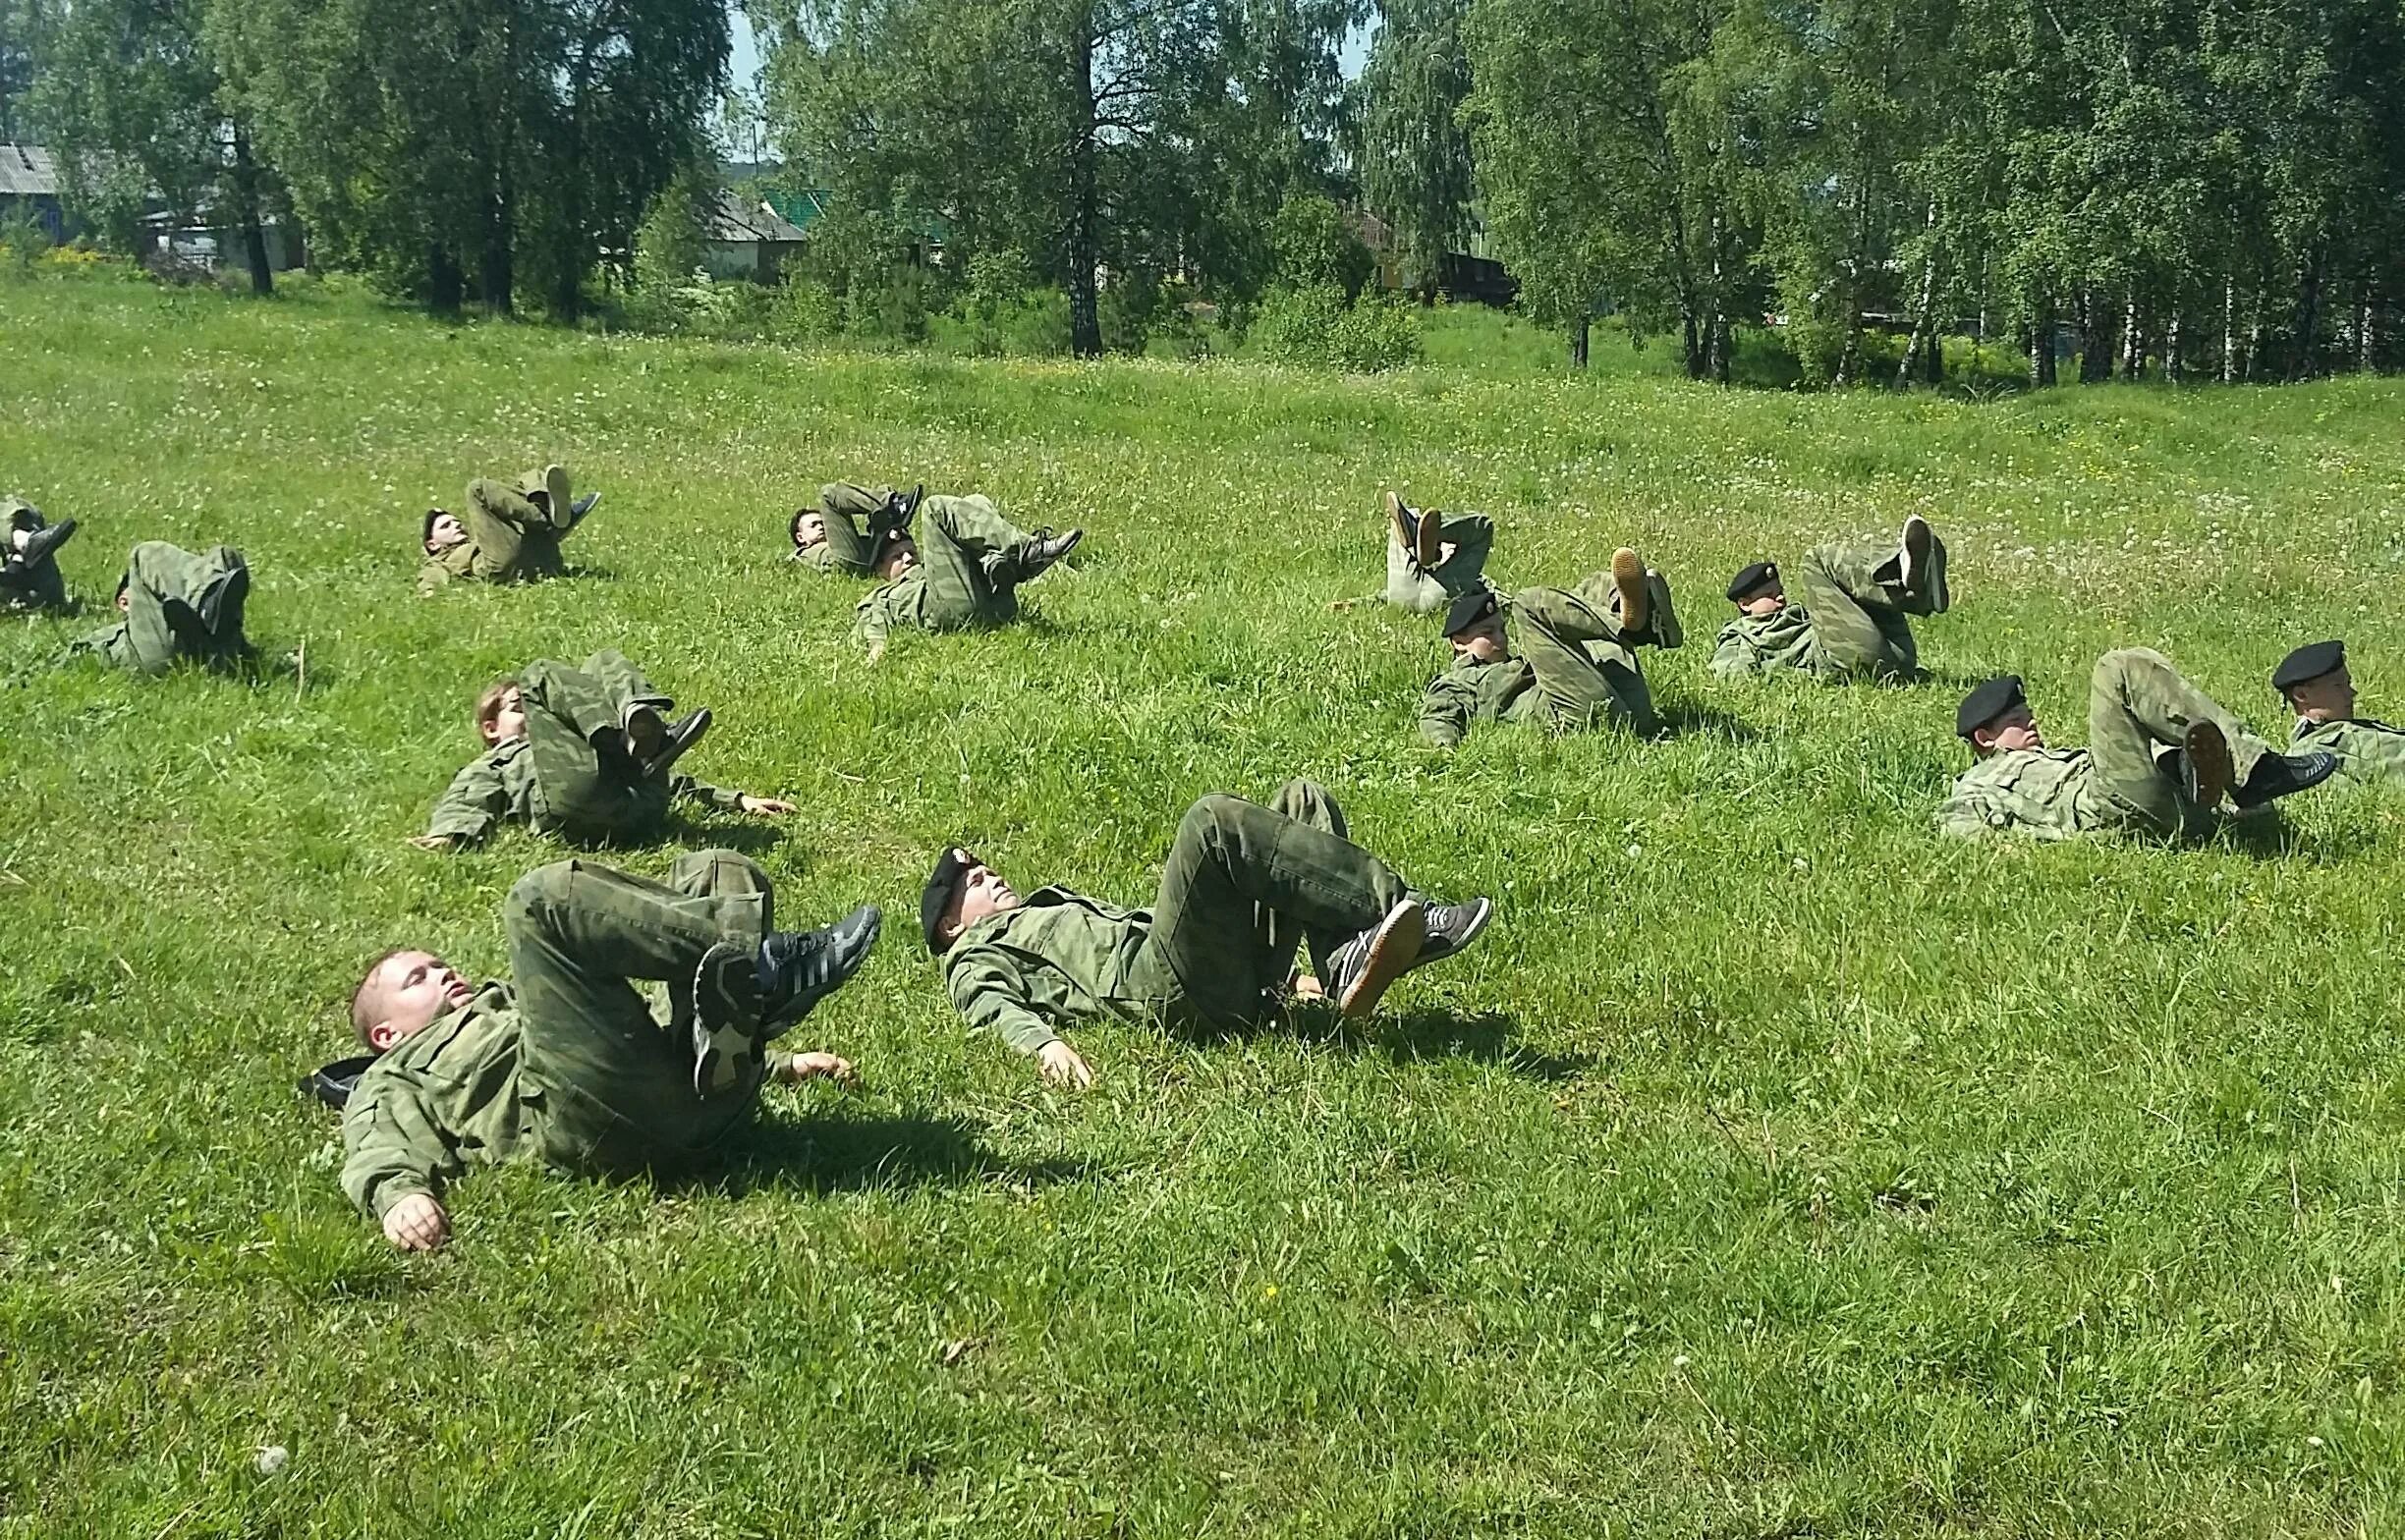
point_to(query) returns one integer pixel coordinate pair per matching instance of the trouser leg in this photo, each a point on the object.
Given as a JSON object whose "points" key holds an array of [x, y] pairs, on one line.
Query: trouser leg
{"points": [[161, 623], [620, 1087], [1858, 609], [622, 686], [1309, 804], [515, 537], [965, 546], [1585, 669], [577, 787], [1238, 874], [2139, 705], [1425, 590]]}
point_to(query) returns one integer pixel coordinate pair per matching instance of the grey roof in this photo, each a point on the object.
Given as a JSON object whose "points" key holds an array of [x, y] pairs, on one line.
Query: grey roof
{"points": [[731, 219], [27, 171]]}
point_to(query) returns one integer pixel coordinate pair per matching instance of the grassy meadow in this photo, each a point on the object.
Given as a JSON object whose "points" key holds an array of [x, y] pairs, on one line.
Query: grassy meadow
{"points": [[1771, 1167]]}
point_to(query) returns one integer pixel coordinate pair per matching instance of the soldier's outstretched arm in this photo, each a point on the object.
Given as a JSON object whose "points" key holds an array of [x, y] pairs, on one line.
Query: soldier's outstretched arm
{"points": [[475, 802], [397, 1160], [1444, 714]]}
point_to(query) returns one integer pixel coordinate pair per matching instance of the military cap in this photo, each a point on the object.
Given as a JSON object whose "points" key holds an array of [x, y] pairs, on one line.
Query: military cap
{"points": [[1759, 575], [333, 1083], [1467, 610], [950, 867], [1986, 702], [2309, 662]]}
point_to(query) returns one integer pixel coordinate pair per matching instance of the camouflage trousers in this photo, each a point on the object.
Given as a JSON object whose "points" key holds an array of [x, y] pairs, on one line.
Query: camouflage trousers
{"points": [[1426, 590], [857, 519], [1244, 884], [616, 1091], [178, 606], [586, 786], [1857, 608], [1582, 658], [2139, 708], [972, 561], [515, 537]]}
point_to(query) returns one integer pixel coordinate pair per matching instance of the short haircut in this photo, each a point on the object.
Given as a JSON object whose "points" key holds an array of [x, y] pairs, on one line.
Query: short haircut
{"points": [[488, 704], [363, 1009], [793, 526]]}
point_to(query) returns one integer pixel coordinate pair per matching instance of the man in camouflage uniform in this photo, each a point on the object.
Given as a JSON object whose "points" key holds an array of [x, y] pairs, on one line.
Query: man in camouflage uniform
{"points": [[1852, 622], [510, 534], [177, 607], [566, 1062], [1243, 886], [29, 577], [2315, 681], [583, 751], [2161, 758], [1433, 558], [1562, 658], [850, 525], [974, 563]]}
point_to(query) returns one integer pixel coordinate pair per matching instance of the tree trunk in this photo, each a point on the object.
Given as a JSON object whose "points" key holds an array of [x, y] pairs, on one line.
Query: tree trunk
{"points": [[1723, 348], [2095, 339], [246, 209], [1692, 340], [1579, 330], [2133, 341], [2042, 344], [2229, 330], [444, 282], [1085, 312], [1932, 358], [496, 273], [2309, 320], [2366, 326], [2175, 366]]}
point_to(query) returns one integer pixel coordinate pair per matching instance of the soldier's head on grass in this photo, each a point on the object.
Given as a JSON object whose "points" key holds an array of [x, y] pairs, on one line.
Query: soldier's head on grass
{"points": [[1757, 591], [808, 528], [961, 890], [1995, 718], [442, 531], [2315, 681], [403, 993], [501, 712], [1475, 626], [898, 554]]}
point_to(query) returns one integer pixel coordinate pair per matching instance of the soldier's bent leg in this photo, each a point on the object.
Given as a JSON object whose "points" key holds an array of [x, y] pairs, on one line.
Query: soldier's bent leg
{"points": [[224, 590], [624, 685], [1858, 609], [577, 788], [1232, 862], [844, 508], [161, 623], [2139, 705], [1472, 538], [1306, 802], [619, 1086], [958, 536], [1585, 669]]}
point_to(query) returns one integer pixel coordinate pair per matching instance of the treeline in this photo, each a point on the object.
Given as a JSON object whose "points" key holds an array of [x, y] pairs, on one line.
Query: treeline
{"points": [[493, 150]]}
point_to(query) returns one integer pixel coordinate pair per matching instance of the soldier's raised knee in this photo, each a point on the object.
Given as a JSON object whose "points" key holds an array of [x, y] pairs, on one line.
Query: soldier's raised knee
{"points": [[532, 895]]}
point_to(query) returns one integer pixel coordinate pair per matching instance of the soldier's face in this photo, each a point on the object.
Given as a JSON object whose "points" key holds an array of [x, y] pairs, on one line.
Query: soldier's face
{"points": [[899, 558], [1483, 640], [1762, 601], [508, 720], [808, 529], [2330, 698], [445, 533], [982, 892], [415, 989], [2015, 730]]}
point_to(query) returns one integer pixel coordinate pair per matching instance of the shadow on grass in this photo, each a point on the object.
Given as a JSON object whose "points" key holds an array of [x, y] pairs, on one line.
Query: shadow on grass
{"points": [[1688, 718], [1418, 1037], [841, 1154], [749, 835]]}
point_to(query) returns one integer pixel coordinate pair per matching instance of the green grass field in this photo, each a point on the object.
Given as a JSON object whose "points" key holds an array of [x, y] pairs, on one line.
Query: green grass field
{"points": [[1770, 1169]]}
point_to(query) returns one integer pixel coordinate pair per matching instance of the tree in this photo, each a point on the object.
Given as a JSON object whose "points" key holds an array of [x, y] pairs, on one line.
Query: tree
{"points": [[1416, 158]]}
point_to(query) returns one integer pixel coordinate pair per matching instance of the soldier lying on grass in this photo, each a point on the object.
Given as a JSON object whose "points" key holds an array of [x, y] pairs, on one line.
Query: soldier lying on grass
{"points": [[1243, 885], [1562, 658], [1853, 621], [2161, 758], [29, 577], [565, 1060], [1433, 558], [850, 525], [510, 534], [2315, 681], [583, 751], [178, 607], [969, 574]]}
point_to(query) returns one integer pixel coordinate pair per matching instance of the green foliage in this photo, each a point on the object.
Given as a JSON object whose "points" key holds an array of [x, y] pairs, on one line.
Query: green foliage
{"points": [[23, 241], [1316, 328], [668, 244], [1768, 1168], [1416, 156], [1317, 247]]}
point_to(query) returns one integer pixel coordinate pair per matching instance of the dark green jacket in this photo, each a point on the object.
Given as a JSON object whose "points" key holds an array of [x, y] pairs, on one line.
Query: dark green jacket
{"points": [[500, 784], [2367, 750], [1469, 691], [451, 1097], [1058, 957]]}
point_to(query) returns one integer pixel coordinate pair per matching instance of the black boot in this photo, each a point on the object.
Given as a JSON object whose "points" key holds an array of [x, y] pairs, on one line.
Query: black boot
{"points": [[2284, 775], [676, 737], [1044, 548], [42, 543]]}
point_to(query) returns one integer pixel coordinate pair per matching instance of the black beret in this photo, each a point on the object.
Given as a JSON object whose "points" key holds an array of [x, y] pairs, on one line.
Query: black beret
{"points": [[938, 893], [885, 543], [1467, 610], [1749, 578], [2309, 662], [333, 1083], [1986, 702], [426, 532]]}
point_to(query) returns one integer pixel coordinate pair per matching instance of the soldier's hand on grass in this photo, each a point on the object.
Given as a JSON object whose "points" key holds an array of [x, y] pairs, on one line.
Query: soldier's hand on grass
{"points": [[876, 650], [434, 842], [1304, 987], [764, 806], [816, 1067], [417, 1224], [1060, 1065]]}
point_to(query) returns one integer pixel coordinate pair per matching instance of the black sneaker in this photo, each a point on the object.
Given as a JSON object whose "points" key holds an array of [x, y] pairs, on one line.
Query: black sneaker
{"points": [[2284, 775], [906, 507], [798, 969], [1406, 522], [581, 507], [2206, 769], [726, 1020], [41, 543], [1360, 970], [676, 737], [1452, 927], [1044, 548], [1920, 563]]}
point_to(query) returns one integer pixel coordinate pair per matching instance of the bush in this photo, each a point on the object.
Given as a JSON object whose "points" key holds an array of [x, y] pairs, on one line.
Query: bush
{"points": [[25, 239], [805, 310], [1315, 248], [1315, 328]]}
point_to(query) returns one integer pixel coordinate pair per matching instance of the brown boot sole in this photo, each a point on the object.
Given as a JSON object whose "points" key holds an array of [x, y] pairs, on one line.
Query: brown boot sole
{"points": [[1917, 539], [1628, 575], [2209, 764], [1407, 533], [1429, 543], [1392, 951]]}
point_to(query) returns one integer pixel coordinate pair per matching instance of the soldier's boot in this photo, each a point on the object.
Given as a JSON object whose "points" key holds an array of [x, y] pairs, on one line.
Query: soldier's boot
{"points": [[905, 507], [41, 544], [727, 1002], [671, 740], [1406, 523], [798, 969], [1360, 970], [1633, 601], [581, 507], [1451, 927], [1665, 632], [2205, 766], [1920, 564], [1042, 548], [220, 605], [555, 489], [1428, 538], [2283, 775]]}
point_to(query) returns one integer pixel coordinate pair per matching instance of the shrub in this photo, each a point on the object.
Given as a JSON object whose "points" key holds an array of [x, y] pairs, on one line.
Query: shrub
{"points": [[1315, 328], [805, 310], [1315, 248]]}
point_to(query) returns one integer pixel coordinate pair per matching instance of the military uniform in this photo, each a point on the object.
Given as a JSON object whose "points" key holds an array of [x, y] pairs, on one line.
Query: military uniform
{"points": [[1426, 590], [1572, 664], [857, 520], [178, 606], [1851, 622], [971, 563], [2138, 707], [1242, 886], [554, 779], [511, 537], [28, 585], [2367, 750], [567, 1062]]}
